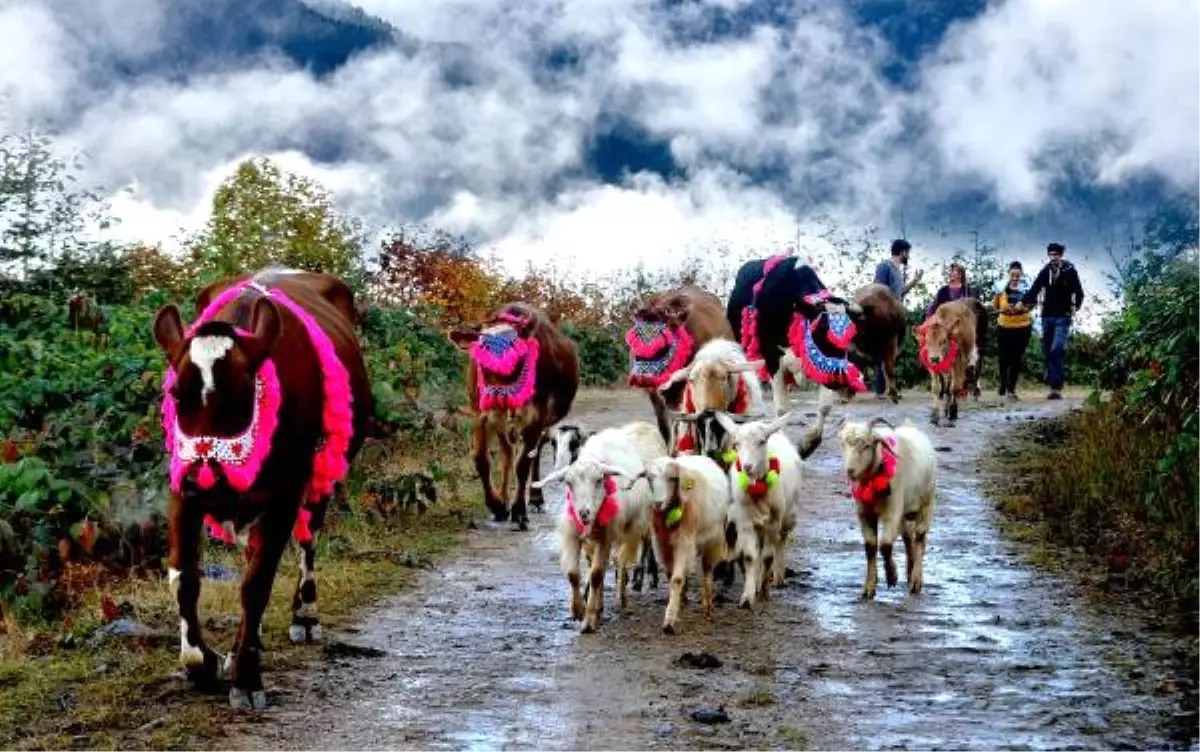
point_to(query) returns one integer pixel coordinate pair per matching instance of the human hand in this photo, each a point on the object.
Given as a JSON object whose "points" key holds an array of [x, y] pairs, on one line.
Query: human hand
{"points": [[918, 274]]}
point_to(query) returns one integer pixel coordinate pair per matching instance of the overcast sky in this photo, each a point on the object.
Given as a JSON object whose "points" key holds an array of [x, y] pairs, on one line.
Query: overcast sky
{"points": [[766, 125]]}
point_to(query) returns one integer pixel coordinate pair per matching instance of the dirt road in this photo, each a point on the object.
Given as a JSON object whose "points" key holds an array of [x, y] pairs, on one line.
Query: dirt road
{"points": [[993, 654]]}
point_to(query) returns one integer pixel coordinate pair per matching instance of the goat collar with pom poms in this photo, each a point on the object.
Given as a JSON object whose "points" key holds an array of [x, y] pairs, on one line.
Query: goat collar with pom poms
{"points": [[878, 482], [608, 508], [758, 488]]}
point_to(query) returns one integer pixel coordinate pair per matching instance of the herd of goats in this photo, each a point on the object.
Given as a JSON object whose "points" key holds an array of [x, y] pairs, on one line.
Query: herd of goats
{"points": [[267, 400]]}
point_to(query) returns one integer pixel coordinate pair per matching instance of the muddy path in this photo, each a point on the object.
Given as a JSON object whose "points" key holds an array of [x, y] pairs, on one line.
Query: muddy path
{"points": [[994, 654]]}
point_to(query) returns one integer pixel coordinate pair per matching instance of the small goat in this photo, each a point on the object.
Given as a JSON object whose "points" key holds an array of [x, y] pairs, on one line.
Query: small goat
{"points": [[892, 474], [608, 504], [567, 440], [765, 493], [690, 496]]}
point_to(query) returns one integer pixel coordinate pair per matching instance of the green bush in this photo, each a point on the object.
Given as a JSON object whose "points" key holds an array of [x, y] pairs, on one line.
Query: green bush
{"points": [[603, 356]]}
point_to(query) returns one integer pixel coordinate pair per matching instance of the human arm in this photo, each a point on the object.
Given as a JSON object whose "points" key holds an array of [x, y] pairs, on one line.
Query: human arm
{"points": [[1077, 292], [1031, 297], [916, 278]]}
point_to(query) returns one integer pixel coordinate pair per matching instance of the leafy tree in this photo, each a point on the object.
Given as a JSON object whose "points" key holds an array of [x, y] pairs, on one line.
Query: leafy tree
{"points": [[43, 208], [264, 216]]}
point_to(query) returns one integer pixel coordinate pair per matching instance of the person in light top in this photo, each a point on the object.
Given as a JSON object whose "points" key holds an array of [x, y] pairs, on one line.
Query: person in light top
{"points": [[1015, 326]]}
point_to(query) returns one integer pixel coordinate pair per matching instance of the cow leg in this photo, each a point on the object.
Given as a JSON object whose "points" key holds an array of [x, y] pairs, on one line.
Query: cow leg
{"points": [[659, 404], [483, 466], [184, 523], [530, 437], [935, 412], [826, 398], [306, 626], [889, 368], [534, 496], [779, 390], [507, 449], [275, 528]]}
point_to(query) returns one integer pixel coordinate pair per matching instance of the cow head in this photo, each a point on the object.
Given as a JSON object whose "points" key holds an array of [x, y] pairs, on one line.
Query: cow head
{"points": [[937, 332], [215, 368], [502, 352]]}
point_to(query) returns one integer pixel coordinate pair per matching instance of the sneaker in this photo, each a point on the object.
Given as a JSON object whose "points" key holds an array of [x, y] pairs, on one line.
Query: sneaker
{"points": [[881, 397], [1054, 395], [1001, 392]]}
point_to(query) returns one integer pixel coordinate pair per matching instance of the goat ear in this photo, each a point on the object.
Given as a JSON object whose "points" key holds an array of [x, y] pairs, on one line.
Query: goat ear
{"points": [[168, 331], [266, 326], [728, 423], [552, 476], [675, 378]]}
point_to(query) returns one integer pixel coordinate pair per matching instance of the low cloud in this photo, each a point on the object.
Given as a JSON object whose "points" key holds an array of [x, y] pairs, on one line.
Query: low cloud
{"points": [[469, 129]]}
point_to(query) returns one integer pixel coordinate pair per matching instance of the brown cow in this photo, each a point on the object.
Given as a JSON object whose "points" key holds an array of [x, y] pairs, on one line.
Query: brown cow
{"points": [[947, 350], [515, 402], [267, 400], [881, 329], [668, 329]]}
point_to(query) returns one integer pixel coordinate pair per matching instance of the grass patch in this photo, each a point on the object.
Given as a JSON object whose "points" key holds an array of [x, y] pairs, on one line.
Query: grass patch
{"points": [[758, 698], [1092, 481], [59, 688], [792, 736]]}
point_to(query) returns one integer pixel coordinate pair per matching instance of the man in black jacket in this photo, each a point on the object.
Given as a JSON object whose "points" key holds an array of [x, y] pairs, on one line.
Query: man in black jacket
{"points": [[1063, 295]]}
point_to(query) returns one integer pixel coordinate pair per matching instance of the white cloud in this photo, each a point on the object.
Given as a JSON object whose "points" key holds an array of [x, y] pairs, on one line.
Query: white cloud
{"points": [[770, 126], [1031, 78]]}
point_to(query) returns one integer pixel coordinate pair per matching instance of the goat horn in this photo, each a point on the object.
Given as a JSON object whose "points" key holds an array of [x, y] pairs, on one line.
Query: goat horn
{"points": [[880, 421]]}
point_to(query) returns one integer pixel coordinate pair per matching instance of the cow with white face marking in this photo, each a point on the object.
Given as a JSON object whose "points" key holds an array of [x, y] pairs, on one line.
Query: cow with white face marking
{"points": [[266, 403]]}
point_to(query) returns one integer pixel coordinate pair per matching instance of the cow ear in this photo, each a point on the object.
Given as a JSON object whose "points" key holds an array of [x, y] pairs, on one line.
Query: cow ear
{"points": [[464, 338], [266, 326], [168, 331]]}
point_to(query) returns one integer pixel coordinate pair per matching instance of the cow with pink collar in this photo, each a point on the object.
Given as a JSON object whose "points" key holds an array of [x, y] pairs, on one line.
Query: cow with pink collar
{"points": [[607, 509], [266, 403]]}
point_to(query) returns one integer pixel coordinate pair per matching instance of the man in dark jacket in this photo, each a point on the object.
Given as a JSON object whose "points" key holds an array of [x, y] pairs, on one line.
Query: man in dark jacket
{"points": [[1062, 295]]}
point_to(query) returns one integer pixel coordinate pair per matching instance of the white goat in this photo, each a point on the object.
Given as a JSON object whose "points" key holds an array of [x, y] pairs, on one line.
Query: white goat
{"points": [[691, 504], [608, 506], [892, 474], [765, 494], [714, 375]]}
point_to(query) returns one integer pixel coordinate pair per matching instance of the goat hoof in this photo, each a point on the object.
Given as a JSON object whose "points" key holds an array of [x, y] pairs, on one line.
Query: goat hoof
{"points": [[915, 587], [669, 629], [746, 604], [240, 699], [868, 594], [589, 627]]}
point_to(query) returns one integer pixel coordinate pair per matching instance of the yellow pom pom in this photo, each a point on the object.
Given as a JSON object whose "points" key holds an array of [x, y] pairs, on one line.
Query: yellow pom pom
{"points": [[743, 480], [772, 478], [688, 484], [674, 516]]}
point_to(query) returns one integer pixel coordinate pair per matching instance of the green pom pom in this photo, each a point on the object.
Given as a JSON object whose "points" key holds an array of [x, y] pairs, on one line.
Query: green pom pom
{"points": [[743, 480], [674, 516], [772, 478]]}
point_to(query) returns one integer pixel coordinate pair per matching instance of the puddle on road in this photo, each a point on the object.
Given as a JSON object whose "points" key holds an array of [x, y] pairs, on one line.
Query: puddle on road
{"points": [[993, 654]]}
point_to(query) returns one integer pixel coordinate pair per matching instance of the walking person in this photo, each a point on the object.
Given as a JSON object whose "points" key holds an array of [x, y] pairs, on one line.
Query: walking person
{"points": [[1015, 322], [892, 273], [956, 287], [1061, 296]]}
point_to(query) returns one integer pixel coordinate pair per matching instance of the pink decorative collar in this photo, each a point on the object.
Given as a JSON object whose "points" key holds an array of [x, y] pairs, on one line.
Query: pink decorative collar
{"points": [[329, 462], [871, 489], [609, 508]]}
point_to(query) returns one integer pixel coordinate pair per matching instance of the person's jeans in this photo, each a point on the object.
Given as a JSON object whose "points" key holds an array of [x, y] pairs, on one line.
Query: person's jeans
{"points": [[1055, 330], [1011, 343]]}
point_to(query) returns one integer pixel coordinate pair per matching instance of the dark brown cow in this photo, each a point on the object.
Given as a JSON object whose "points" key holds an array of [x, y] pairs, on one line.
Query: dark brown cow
{"points": [[516, 403], [267, 403], [669, 328], [880, 330]]}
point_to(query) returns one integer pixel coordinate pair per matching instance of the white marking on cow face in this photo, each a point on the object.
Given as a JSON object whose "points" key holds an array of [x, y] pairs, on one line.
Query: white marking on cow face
{"points": [[205, 352], [189, 654]]}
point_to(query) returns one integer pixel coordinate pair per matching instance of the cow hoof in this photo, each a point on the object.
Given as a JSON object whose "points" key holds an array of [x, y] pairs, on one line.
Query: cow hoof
{"points": [[301, 633], [521, 524], [239, 699]]}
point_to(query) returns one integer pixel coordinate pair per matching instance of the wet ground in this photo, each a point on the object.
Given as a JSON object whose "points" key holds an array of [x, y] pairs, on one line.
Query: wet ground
{"points": [[994, 654]]}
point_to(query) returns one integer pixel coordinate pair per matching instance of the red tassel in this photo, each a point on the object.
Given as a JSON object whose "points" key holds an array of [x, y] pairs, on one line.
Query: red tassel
{"points": [[206, 478]]}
